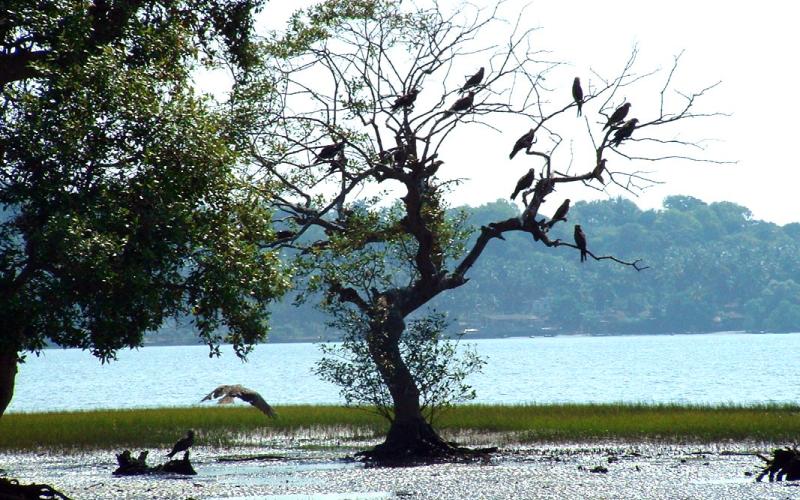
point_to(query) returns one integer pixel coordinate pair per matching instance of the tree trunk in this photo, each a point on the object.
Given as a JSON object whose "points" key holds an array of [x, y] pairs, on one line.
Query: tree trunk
{"points": [[8, 373], [411, 439]]}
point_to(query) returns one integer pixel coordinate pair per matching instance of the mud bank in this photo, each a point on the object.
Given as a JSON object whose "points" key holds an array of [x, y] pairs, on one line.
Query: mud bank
{"points": [[308, 469]]}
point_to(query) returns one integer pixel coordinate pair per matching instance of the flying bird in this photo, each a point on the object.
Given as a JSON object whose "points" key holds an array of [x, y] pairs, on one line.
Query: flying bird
{"points": [[228, 392], [580, 241], [329, 152], [624, 131], [577, 93], [462, 104], [405, 100], [183, 444], [618, 115], [523, 142], [597, 173], [474, 80], [560, 215], [524, 182]]}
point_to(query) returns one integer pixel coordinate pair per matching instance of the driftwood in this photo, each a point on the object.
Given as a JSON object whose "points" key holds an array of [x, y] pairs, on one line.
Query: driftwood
{"points": [[784, 464], [129, 466], [10, 489]]}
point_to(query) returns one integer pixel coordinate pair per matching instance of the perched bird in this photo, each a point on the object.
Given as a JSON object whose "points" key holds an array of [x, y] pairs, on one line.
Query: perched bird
{"points": [[284, 234], [405, 100], [228, 392], [624, 131], [618, 115], [330, 151], [523, 142], [462, 104], [396, 156], [524, 182], [182, 444], [560, 215], [474, 80], [577, 93], [597, 173], [580, 241]]}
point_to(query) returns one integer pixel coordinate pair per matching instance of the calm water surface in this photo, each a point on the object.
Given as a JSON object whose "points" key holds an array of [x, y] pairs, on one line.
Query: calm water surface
{"points": [[712, 368]]}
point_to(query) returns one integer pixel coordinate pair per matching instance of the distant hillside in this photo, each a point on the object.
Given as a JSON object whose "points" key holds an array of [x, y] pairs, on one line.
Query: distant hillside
{"points": [[712, 267]]}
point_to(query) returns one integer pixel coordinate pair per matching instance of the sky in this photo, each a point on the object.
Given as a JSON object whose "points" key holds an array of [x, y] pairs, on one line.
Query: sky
{"points": [[749, 47]]}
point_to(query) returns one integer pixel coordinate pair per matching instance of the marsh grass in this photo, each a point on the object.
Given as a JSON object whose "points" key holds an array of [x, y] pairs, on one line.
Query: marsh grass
{"points": [[216, 426]]}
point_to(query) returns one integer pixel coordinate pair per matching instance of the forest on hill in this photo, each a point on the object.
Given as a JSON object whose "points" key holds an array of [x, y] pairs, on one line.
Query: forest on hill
{"points": [[712, 267]]}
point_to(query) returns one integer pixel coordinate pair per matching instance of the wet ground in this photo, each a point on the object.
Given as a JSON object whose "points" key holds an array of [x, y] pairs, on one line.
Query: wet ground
{"points": [[306, 468]]}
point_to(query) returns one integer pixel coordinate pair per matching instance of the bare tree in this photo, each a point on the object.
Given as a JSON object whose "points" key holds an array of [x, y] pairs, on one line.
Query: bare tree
{"points": [[356, 109]]}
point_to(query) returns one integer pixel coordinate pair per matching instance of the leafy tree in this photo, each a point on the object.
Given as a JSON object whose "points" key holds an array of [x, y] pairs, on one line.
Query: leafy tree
{"points": [[121, 203], [438, 367], [366, 103]]}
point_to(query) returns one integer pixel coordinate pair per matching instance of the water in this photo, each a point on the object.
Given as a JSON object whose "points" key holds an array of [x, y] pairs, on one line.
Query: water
{"points": [[713, 368]]}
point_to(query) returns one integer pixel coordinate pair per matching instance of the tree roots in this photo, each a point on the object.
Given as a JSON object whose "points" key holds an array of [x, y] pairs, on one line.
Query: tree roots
{"points": [[10, 489], [784, 464], [418, 444]]}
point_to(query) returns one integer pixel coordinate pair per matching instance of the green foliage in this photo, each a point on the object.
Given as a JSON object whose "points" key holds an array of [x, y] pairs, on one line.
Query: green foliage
{"points": [[121, 199], [746, 277], [439, 367]]}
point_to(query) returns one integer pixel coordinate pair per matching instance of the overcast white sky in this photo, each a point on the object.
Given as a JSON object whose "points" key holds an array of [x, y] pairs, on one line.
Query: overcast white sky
{"points": [[751, 47]]}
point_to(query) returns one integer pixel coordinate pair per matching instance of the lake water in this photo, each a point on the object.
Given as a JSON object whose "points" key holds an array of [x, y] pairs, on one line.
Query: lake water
{"points": [[711, 368]]}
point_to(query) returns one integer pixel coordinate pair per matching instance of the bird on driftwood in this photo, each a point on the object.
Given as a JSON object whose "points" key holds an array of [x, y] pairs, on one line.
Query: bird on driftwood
{"points": [[524, 182], [462, 104], [624, 131], [228, 392], [560, 215], [329, 152], [580, 241], [405, 100], [183, 444], [597, 173], [577, 93], [523, 142], [618, 115], [474, 80]]}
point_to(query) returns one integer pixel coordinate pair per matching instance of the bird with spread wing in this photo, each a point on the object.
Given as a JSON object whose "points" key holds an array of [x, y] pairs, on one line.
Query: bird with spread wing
{"points": [[227, 393]]}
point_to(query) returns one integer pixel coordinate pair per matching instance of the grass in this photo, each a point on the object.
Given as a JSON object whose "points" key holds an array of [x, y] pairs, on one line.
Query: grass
{"points": [[148, 428]]}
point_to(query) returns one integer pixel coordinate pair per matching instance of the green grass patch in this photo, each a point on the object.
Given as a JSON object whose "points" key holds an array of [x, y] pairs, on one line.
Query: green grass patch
{"points": [[217, 426], [631, 421]]}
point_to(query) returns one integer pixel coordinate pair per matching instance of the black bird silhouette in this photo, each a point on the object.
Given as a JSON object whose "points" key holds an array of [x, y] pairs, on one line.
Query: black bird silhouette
{"points": [[597, 173], [395, 156], [580, 241], [329, 152], [523, 142], [405, 100], [618, 115], [183, 444], [560, 215], [462, 104], [624, 131], [577, 93], [524, 182], [474, 80], [284, 234], [228, 392]]}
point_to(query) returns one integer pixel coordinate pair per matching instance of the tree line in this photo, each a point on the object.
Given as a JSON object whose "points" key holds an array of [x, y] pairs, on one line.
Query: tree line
{"points": [[711, 267]]}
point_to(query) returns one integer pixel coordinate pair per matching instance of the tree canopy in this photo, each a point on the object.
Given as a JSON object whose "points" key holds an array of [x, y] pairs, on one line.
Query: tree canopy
{"points": [[120, 189]]}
